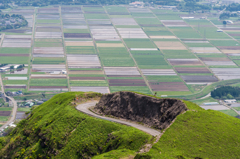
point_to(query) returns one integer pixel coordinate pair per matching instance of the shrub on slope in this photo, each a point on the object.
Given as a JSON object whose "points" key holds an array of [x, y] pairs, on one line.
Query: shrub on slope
{"points": [[57, 130]]}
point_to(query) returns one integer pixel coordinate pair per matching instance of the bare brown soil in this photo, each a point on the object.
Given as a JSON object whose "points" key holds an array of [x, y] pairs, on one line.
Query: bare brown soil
{"points": [[36, 87], [192, 70], [124, 76], [5, 113], [214, 59], [77, 35], [14, 54], [168, 86], [87, 78], [24, 87], [186, 63], [154, 112]]}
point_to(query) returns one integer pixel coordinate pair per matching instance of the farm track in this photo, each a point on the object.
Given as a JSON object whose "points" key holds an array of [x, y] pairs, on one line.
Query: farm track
{"points": [[14, 110]]}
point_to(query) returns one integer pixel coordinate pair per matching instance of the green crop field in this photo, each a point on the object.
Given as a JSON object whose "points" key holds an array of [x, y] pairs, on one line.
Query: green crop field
{"points": [[48, 82]]}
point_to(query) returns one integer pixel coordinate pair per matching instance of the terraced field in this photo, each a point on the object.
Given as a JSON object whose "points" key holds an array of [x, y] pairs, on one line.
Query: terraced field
{"points": [[114, 48]]}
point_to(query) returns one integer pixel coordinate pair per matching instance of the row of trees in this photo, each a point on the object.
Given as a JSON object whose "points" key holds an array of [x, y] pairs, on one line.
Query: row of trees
{"points": [[226, 92]]}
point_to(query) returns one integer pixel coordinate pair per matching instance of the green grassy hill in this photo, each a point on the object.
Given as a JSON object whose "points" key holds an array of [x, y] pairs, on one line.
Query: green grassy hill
{"points": [[57, 130]]}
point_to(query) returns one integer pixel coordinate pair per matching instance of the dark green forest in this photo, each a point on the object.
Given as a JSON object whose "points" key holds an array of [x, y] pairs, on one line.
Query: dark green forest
{"points": [[226, 92]]}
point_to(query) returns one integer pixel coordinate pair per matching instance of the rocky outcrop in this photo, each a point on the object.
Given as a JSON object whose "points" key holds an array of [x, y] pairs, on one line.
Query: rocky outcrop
{"points": [[157, 113]]}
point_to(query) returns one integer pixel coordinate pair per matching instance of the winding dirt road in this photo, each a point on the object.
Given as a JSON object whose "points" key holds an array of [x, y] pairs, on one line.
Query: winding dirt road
{"points": [[14, 110], [85, 109]]}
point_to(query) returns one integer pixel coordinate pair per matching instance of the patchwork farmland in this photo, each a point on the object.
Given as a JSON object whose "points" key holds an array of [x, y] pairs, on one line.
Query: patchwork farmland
{"points": [[115, 48]]}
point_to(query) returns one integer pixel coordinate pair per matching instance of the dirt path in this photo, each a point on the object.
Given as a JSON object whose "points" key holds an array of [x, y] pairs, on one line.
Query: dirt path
{"points": [[85, 109], [14, 110]]}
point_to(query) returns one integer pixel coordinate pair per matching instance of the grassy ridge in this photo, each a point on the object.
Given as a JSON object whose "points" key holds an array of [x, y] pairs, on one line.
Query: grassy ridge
{"points": [[57, 130], [199, 133]]}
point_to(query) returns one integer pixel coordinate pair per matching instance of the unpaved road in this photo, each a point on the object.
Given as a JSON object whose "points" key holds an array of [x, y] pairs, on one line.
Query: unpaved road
{"points": [[85, 109], [14, 110]]}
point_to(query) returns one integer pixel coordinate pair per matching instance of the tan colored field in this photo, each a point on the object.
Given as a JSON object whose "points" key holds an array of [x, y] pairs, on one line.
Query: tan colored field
{"points": [[110, 45], [163, 37], [79, 43], [231, 51], [48, 40], [170, 45]]}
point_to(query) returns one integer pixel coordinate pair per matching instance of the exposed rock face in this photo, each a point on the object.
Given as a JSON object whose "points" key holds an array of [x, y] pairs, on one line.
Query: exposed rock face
{"points": [[157, 113]]}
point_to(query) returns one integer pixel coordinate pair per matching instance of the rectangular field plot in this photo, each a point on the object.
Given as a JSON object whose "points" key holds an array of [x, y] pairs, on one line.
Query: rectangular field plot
{"points": [[230, 49], [126, 82], [192, 70], [110, 45], [48, 10], [158, 72], [150, 61], [67, 22], [132, 33], [174, 23], [48, 88], [48, 60], [185, 62], [79, 43], [215, 107], [217, 61], [46, 76], [71, 9], [48, 52], [149, 22], [139, 43], [104, 33], [77, 35], [17, 41], [170, 45], [48, 16], [48, 35], [83, 61], [90, 89], [48, 68], [15, 86], [168, 86], [48, 82], [178, 54], [128, 71], [80, 50], [124, 21], [139, 10], [48, 29], [141, 89], [185, 32], [125, 61], [204, 50], [199, 79], [226, 73]]}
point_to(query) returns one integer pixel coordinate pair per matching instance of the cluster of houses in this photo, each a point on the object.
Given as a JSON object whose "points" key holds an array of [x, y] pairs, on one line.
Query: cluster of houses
{"points": [[7, 67]]}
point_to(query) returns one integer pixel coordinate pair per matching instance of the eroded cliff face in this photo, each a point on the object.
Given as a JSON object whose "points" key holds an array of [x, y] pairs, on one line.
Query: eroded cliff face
{"points": [[157, 113]]}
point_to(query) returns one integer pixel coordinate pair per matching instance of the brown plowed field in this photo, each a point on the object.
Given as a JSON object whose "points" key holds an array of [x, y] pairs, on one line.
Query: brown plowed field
{"points": [[199, 78], [127, 84], [186, 63], [47, 77], [5, 113], [77, 35], [39, 87], [214, 59], [126, 81], [24, 87], [192, 70], [14, 54], [124, 76], [168, 86], [87, 78]]}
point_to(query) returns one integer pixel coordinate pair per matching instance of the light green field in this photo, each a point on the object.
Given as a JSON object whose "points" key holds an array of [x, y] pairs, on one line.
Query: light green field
{"points": [[229, 112], [88, 83], [5, 108], [23, 109], [140, 89], [48, 82], [10, 50], [139, 43], [225, 42], [4, 118], [96, 16], [80, 50]]}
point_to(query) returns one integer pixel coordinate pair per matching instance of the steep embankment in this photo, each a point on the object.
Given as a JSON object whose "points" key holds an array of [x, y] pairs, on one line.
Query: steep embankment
{"points": [[57, 130], [154, 112]]}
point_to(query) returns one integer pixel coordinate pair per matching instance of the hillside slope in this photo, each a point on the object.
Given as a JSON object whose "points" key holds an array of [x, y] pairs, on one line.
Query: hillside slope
{"points": [[57, 130]]}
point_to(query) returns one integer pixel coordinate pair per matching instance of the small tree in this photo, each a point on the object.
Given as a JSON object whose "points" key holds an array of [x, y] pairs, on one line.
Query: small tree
{"points": [[224, 22]]}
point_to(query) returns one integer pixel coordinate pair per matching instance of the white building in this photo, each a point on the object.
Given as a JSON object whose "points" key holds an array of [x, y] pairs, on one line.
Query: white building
{"points": [[230, 101]]}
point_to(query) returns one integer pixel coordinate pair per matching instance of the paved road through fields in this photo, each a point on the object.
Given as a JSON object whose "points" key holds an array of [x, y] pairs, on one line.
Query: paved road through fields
{"points": [[14, 110], [85, 109]]}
